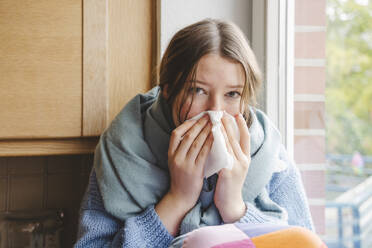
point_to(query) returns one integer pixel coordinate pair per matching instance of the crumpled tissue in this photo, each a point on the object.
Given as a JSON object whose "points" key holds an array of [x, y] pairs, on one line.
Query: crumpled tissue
{"points": [[218, 157]]}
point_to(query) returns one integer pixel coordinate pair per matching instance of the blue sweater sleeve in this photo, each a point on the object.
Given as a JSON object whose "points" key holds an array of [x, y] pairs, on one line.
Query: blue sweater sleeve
{"points": [[286, 189], [97, 228]]}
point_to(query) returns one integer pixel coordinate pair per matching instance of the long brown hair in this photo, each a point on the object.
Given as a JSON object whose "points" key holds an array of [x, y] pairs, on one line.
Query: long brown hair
{"points": [[189, 44]]}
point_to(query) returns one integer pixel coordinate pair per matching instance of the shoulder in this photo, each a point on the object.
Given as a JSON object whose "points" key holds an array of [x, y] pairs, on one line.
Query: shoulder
{"points": [[287, 172], [129, 120], [92, 199]]}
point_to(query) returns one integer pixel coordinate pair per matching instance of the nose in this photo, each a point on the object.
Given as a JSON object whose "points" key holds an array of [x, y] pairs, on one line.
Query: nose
{"points": [[215, 103]]}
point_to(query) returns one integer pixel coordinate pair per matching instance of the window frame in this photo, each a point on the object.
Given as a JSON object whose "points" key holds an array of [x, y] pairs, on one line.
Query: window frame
{"points": [[273, 43]]}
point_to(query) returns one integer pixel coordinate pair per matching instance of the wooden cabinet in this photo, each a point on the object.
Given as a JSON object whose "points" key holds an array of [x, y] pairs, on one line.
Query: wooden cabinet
{"points": [[68, 67]]}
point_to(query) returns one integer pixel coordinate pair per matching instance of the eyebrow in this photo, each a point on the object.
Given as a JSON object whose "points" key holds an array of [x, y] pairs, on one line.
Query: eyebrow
{"points": [[228, 86]]}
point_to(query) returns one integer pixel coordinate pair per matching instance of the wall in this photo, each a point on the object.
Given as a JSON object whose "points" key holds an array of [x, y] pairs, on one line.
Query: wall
{"points": [[309, 107], [176, 14]]}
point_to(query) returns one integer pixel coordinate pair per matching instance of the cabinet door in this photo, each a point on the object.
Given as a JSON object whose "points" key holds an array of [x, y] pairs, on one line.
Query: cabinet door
{"points": [[40, 68], [120, 50], [68, 67]]}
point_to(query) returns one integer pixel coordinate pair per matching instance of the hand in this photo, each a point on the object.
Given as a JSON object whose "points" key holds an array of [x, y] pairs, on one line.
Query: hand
{"points": [[189, 146], [228, 195]]}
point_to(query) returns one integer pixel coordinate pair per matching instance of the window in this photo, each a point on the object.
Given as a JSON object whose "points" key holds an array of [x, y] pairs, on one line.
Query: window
{"points": [[349, 123], [292, 52]]}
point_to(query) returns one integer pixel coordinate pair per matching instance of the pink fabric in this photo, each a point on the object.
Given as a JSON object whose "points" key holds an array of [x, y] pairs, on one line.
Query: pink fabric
{"points": [[246, 243], [212, 236]]}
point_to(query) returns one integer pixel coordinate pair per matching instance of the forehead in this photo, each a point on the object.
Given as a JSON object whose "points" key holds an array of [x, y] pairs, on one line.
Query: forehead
{"points": [[214, 69]]}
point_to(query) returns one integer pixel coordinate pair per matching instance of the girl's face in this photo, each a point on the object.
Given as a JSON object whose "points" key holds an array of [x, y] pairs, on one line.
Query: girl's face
{"points": [[219, 85]]}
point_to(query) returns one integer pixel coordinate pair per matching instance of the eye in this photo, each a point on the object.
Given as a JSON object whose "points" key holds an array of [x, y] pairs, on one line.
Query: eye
{"points": [[234, 94], [198, 90]]}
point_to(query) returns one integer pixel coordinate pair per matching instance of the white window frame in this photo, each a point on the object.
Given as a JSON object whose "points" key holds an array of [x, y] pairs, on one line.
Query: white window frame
{"points": [[273, 44]]}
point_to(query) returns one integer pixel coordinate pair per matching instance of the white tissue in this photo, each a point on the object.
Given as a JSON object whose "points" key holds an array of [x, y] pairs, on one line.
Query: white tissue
{"points": [[219, 157]]}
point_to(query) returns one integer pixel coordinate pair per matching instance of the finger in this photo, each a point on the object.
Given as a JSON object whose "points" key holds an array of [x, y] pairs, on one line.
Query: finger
{"points": [[204, 151], [190, 136], [177, 135], [231, 137], [245, 137], [198, 142]]}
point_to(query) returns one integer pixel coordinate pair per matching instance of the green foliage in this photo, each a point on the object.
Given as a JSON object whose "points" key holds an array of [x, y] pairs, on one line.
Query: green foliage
{"points": [[349, 77]]}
